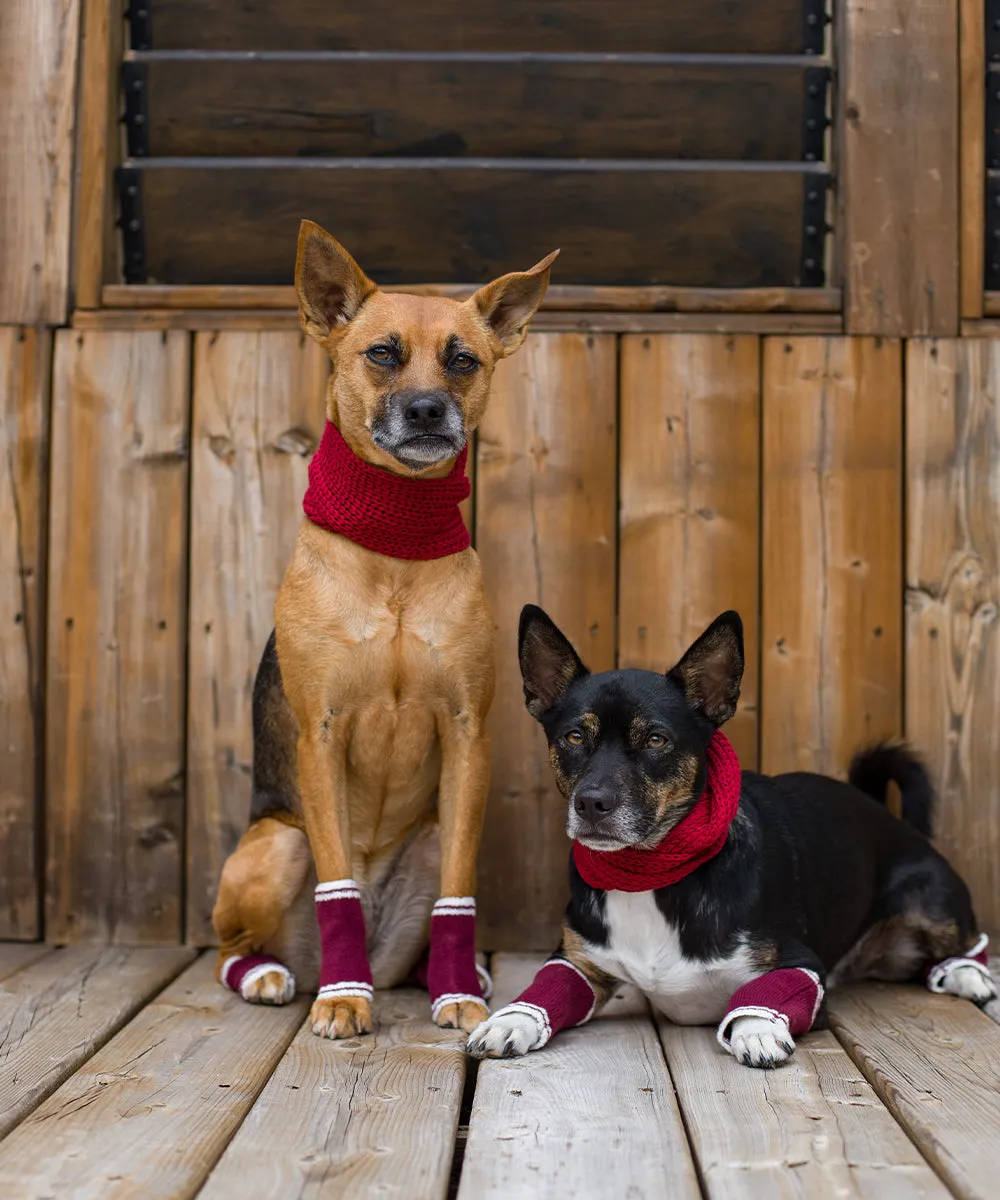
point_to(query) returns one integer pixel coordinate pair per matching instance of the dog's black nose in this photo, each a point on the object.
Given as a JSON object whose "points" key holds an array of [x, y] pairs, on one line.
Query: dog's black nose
{"points": [[424, 412], [594, 804]]}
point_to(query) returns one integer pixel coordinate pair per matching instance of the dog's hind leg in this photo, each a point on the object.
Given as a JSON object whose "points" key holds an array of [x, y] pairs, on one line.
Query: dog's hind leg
{"points": [[260, 882]]}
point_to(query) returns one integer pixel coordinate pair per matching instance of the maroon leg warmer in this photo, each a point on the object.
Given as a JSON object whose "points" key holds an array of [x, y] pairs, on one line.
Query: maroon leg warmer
{"points": [[240, 971], [791, 995], [452, 974], [344, 969], [558, 997]]}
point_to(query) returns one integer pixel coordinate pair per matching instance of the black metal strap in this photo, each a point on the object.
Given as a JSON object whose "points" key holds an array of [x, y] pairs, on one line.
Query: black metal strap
{"points": [[129, 184], [814, 118], [814, 23], [814, 230], [140, 25], [135, 87]]}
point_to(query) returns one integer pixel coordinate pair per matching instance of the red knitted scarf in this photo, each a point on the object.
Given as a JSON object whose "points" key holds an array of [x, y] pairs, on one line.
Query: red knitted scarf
{"points": [[387, 513], [699, 837]]}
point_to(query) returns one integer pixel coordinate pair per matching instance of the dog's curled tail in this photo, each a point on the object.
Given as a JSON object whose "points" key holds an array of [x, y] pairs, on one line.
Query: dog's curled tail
{"points": [[875, 767]]}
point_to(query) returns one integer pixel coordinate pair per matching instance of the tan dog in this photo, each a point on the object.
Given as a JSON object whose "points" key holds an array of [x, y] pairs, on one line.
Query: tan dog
{"points": [[371, 699]]}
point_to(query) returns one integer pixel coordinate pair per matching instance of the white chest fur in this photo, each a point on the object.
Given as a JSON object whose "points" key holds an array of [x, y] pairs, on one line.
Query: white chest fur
{"points": [[643, 948]]}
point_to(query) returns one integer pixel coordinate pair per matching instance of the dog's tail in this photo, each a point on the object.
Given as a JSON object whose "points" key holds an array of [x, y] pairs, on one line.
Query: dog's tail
{"points": [[874, 768]]}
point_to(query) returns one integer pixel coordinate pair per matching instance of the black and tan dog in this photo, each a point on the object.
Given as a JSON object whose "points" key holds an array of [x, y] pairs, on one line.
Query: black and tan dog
{"points": [[725, 897], [371, 758]]}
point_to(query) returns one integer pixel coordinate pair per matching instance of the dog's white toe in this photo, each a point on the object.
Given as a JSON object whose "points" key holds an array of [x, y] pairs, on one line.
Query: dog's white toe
{"points": [[504, 1035], [760, 1042], [971, 982]]}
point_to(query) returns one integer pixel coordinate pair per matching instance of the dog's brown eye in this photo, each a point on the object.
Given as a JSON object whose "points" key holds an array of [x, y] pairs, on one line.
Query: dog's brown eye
{"points": [[383, 355], [574, 737], [464, 362], [656, 741]]}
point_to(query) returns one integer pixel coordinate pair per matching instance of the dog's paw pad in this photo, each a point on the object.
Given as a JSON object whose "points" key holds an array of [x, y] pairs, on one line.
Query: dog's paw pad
{"points": [[760, 1042], [969, 982], [504, 1035]]}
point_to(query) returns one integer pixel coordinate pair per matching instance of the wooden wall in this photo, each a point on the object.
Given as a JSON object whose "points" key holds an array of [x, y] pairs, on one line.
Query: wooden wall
{"points": [[634, 485]]}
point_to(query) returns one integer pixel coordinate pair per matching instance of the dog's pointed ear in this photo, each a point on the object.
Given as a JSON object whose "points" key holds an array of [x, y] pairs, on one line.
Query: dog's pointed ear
{"points": [[508, 303], [711, 671], [549, 664], [331, 286]]}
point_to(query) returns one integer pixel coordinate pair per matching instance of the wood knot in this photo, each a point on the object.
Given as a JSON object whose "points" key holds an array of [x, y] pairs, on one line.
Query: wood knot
{"points": [[295, 441]]}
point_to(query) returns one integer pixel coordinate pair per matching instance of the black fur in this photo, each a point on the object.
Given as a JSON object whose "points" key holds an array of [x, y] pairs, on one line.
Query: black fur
{"points": [[810, 864], [873, 769]]}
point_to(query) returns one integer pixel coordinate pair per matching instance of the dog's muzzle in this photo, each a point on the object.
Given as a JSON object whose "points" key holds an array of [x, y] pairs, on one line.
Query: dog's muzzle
{"points": [[420, 428]]}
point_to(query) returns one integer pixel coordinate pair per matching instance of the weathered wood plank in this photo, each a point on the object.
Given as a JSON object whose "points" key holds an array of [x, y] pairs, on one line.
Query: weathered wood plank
{"points": [[95, 238], [972, 152], [259, 410], [813, 1129], [689, 464], [992, 1009], [56, 1013], [350, 106], [953, 597], [558, 296], [935, 1062], [116, 637], [545, 528], [285, 320], [152, 1111], [15, 956], [598, 1099], [899, 180], [25, 377], [685, 26], [831, 672], [408, 220], [38, 55], [372, 1116]]}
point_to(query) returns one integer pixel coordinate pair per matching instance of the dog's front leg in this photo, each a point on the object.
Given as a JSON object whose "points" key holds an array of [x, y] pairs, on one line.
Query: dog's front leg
{"points": [[342, 1007], [452, 977]]}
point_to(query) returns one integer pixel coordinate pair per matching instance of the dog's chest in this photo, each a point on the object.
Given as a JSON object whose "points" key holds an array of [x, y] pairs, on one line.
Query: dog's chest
{"points": [[644, 948]]}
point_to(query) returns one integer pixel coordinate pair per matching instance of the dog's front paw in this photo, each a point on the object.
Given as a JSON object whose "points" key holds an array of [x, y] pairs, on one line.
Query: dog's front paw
{"points": [[971, 982], [465, 1014], [507, 1034], [760, 1041], [340, 1016]]}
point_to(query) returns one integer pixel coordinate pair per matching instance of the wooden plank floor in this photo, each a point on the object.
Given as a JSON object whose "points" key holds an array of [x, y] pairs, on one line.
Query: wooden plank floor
{"points": [[130, 1074]]}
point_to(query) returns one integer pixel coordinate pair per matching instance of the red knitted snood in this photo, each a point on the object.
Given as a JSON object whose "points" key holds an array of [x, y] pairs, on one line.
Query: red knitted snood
{"points": [[387, 513]]}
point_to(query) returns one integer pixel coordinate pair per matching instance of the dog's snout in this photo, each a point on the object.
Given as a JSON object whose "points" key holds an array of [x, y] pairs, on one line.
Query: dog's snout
{"points": [[424, 411], [594, 804]]}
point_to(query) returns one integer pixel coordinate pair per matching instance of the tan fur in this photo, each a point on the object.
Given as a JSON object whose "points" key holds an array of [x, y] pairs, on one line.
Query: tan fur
{"points": [[896, 947], [387, 665], [572, 948]]}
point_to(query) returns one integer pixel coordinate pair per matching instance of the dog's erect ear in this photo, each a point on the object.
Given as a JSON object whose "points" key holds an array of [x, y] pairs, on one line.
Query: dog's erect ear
{"points": [[331, 286], [549, 664], [711, 670], [509, 303]]}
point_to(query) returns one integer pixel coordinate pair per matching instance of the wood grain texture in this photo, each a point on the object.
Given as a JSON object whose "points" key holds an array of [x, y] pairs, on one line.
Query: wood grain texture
{"points": [[992, 1009], [935, 1062], [284, 320], [545, 529], [558, 296], [686, 26], [258, 414], [953, 597], [152, 1111], [353, 107], [972, 152], [56, 1013], [811, 1130], [15, 956], [689, 464], [25, 371], [95, 237], [38, 53], [596, 1105], [233, 221], [117, 633], [899, 179], [831, 669], [367, 1117]]}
